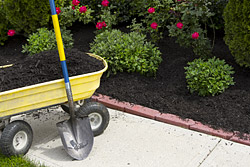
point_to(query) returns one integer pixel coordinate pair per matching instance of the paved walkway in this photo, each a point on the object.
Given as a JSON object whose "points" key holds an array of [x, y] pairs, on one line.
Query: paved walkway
{"points": [[132, 141]]}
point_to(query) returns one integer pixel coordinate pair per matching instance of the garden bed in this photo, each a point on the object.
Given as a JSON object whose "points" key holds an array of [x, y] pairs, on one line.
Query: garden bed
{"points": [[167, 92]]}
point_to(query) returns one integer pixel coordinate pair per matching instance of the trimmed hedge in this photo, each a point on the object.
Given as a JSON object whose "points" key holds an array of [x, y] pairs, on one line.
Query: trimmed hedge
{"points": [[237, 30], [26, 16], [3, 25]]}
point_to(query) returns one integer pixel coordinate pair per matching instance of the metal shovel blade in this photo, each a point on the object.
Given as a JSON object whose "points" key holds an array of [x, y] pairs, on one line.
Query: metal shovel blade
{"points": [[77, 142]]}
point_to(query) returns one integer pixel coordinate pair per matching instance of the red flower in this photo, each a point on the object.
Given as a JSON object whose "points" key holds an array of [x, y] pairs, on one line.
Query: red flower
{"points": [[151, 10], [105, 3], [99, 25], [83, 9], [58, 10], [195, 35], [154, 25], [73, 7], [179, 25], [11, 32], [75, 2], [104, 24]]}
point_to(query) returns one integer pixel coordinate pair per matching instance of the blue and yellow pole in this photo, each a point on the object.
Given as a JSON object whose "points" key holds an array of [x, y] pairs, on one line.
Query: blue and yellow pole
{"points": [[62, 56]]}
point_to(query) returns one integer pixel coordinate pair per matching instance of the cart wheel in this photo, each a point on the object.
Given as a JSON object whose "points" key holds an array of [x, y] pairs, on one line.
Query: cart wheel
{"points": [[78, 103], [16, 138], [98, 116]]}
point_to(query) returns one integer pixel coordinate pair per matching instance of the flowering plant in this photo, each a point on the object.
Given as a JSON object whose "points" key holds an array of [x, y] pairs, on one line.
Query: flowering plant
{"points": [[58, 10], [105, 19], [151, 10], [195, 35], [179, 25], [105, 3], [155, 17], [75, 3], [69, 14], [11, 32], [83, 9], [154, 25], [187, 18], [100, 25]]}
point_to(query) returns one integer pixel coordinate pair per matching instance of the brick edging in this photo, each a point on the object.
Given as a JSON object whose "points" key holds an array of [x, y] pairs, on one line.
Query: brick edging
{"points": [[169, 118]]}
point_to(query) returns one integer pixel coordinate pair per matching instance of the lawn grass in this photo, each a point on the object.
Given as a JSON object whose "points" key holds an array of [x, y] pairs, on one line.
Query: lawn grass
{"points": [[17, 161]]}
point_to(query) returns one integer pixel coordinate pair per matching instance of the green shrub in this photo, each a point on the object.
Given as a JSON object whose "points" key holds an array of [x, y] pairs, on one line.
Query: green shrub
{"points": [[237, 30], [3, 25], [127, 52], [45, 39], [66, 17], [26, 16], [208, 77]]}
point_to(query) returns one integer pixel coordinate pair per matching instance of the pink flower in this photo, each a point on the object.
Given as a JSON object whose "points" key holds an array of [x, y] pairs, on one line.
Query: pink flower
{"points": [[58, 10], [99, 25], [179, 25], [178, 0], [83, 9], [104, 24], [105, 3], [195, 35], [154, 25], [73, 7], [151, 10], [75, 2], [11, 32]]}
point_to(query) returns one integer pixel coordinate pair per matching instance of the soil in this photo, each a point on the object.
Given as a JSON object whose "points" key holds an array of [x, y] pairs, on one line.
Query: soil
{"points": [[167, 92], [45, 66]]}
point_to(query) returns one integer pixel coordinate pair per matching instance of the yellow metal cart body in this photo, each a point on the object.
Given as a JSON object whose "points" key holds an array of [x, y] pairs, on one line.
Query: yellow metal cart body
{"points": [[18, 134], [50, 93]]}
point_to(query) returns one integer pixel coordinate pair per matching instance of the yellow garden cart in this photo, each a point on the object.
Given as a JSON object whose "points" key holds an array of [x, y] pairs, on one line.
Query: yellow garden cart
{"points": [[16, 137]]}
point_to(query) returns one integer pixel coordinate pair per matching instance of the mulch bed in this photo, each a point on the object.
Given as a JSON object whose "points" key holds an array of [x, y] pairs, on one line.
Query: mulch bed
{"points": [[167, 92]]}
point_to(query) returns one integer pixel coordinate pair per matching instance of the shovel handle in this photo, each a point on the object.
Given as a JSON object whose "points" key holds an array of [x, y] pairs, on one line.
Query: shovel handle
{"points": [[62, 56]]}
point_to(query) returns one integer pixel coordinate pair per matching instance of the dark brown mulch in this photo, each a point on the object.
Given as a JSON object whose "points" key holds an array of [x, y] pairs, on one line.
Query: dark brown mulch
{"points": [[168, 92], [45, 66]]}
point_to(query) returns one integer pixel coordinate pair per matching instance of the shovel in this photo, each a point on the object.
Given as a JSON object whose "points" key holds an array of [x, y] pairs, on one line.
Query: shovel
{"points": [[76, 134]]}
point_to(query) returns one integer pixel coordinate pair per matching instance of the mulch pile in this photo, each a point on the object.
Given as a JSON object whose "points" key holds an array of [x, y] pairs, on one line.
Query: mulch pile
{"points": [[46, 66]]}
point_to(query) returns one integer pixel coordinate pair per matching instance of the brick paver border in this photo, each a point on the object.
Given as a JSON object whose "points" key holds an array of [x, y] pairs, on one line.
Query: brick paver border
{"points": [[169, 118]]}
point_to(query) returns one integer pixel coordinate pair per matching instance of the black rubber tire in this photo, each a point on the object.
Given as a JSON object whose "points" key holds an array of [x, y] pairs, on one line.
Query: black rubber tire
{"points": [[91, 108], [8, 135], [66, 108]]}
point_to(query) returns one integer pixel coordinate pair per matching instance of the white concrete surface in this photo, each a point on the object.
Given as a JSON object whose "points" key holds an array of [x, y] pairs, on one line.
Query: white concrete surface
{"points": [[132, 141], [228, 154]]}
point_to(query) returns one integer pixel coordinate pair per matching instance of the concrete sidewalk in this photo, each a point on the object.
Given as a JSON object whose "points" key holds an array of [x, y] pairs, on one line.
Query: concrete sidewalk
{"points": [[135, 142]]}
